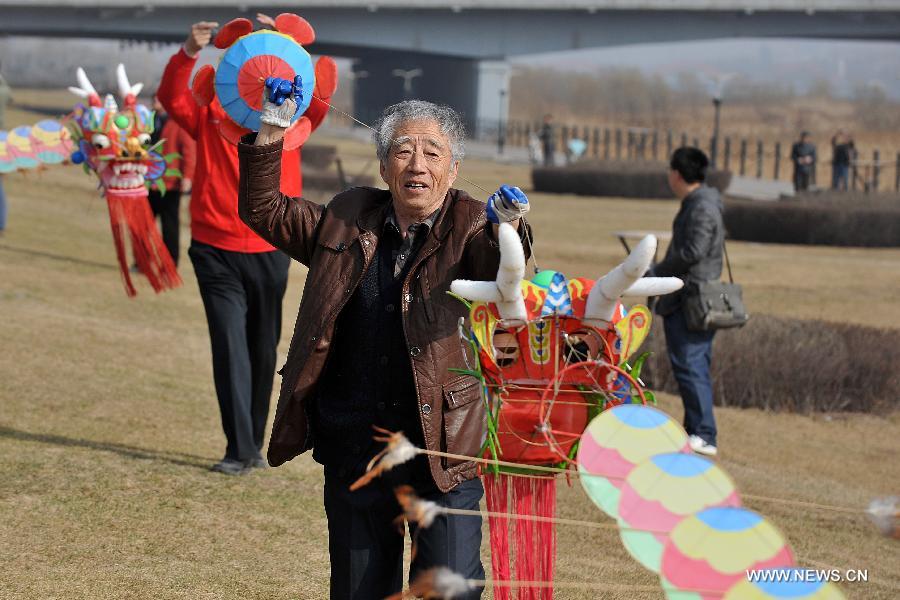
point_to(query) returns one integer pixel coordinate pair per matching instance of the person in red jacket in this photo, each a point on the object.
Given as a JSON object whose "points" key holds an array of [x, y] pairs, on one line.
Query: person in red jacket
{"points": [[242, 279], [166, 205]]}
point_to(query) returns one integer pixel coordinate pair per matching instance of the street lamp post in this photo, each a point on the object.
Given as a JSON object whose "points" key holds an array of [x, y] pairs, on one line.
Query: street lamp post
{"points": [[714, 149], [407, 76], [501, 126]]}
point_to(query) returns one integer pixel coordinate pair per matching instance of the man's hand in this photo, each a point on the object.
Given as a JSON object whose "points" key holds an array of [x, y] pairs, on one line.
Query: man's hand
{"points": [[199, 38], [280, 100], [506, 205], [265, 20], [186, 185]]}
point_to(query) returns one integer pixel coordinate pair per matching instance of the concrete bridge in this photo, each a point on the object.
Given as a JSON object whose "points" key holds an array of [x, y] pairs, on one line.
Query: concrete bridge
{"points": [[455, 51]]}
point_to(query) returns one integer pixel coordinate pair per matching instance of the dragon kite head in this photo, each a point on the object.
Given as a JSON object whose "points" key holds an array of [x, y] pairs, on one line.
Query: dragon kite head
{"points": [[555, 341], [251, 57], [114, 142]]}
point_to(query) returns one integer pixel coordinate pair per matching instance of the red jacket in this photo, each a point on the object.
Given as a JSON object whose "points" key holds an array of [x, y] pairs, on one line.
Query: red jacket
{"points": [[177, 140], [214, 214]]}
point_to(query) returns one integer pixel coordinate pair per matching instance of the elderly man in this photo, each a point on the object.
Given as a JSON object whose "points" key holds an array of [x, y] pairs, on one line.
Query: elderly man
{"points": [[376, 337]]}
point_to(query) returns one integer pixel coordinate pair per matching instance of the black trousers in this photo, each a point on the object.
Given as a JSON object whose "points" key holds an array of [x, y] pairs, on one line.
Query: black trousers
{"points": [[166, 208], [366, 546], [242, 295]]}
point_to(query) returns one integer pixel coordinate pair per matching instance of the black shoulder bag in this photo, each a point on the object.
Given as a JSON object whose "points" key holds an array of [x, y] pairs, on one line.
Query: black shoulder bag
{"points": [[711, 305]]}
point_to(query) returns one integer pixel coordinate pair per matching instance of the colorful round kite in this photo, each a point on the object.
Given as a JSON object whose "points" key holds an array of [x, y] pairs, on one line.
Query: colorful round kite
{"points": [[709, 552], [795, 587], [51, 142], [660, 492], [18, 144], [616, 441], [6, 161], [244, 68]]}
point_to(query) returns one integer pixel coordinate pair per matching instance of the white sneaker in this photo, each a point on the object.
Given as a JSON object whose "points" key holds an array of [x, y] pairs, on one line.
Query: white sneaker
{"points": [[700, 446]]}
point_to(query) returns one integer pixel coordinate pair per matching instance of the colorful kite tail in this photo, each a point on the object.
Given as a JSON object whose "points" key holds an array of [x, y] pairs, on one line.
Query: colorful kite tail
{"points": [[133, 215]]}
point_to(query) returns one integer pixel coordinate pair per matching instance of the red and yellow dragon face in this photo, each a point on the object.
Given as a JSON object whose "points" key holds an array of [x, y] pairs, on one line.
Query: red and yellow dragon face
{"points": [[552, 352], [114, 142]]}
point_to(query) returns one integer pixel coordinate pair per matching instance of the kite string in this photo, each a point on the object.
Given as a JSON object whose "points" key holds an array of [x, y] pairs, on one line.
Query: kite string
{"points": [[582, 474], [528, 238]]}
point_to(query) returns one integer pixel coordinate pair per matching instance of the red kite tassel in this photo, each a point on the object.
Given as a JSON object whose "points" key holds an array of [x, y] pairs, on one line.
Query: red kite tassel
{"points": [[535, 542], [496, 496], [131, 215]]}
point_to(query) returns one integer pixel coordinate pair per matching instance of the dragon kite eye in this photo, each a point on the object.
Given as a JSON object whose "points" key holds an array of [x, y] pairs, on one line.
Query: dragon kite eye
{"points": [[100, 141], [506, 348], [144, 138]]}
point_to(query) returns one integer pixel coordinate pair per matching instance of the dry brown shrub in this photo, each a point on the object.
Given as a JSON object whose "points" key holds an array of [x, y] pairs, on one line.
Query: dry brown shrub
{"points": [[853, 219], [619, 179], [795, 365]]}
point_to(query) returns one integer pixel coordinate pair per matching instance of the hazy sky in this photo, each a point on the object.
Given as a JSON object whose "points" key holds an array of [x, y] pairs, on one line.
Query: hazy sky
{"points": [[844, 64]]}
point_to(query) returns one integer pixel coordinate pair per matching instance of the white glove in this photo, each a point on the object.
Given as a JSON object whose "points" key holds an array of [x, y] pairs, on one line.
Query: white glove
{"points": [[279, 116]]}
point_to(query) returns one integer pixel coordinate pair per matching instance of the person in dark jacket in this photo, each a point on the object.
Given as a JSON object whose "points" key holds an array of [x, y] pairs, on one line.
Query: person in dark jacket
{"points": [[842, 152], [803, 155], [694, 254], [377, 337]]}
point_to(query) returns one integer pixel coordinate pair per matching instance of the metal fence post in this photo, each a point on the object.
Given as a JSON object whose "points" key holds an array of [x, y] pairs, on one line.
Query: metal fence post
{"points": [[618, 144], [897, 174], [654, 145], [876, 170], [726, 153], [607, 134], [759, 159], [595, 146], [777, 159], [668, 143], [743, 157]]}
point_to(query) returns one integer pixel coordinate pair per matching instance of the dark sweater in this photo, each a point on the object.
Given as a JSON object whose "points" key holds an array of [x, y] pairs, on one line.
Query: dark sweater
{"points": [[368, 379]]}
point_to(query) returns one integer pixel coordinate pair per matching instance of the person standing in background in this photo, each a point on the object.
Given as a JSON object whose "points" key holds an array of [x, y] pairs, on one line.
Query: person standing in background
{"points": [[694, 255], [803, 155], [548, 143], [166, 206], [4, 100], [242, 278], [842, 152]]}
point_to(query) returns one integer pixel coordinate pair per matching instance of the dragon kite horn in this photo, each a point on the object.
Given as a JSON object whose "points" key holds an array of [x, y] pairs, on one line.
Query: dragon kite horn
{"points": [[506, 291], [127, 92], [626, 280], [85, 89]]}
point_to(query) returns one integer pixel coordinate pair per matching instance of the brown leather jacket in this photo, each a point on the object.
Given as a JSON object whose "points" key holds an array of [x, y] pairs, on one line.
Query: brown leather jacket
{"points": [[337, 242]]}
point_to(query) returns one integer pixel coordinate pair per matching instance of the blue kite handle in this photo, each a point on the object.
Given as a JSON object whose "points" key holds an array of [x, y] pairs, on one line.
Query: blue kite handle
{"points": [[281, 89]]}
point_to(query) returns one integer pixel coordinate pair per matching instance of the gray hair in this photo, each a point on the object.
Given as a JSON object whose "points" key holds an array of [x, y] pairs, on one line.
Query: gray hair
{"points": [[419, 110]]}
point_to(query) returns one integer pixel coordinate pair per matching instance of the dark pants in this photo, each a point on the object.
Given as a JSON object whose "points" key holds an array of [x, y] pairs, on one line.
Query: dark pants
{"points": [[366, 546], [802, 179], [166, 208], [690, 353], [242, 295], [840, 175]]}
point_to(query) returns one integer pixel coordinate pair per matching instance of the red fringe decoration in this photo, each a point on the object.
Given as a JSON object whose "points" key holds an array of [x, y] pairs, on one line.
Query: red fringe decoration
{"points": [[535, 542], [496, 497], [131, 215]]}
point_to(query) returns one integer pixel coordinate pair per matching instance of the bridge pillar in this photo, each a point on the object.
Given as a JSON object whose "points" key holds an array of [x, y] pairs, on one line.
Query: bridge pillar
{"points": [[469, 86]]}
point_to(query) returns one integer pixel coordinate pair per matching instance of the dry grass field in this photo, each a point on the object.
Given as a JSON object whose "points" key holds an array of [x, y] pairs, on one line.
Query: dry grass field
{"points": [[108, 418]]}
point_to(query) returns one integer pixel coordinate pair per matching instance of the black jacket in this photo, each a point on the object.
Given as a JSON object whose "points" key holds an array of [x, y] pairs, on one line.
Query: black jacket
{"points": [[695, 252]]}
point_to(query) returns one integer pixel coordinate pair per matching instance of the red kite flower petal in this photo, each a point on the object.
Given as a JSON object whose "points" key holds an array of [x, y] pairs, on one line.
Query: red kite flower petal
{"points": [[204, 88], [297, 27], [232, 31]]}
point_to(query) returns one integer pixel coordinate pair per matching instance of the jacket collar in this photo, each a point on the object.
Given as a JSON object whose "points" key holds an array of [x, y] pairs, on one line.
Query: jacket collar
{"points": [[372, 218]]}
